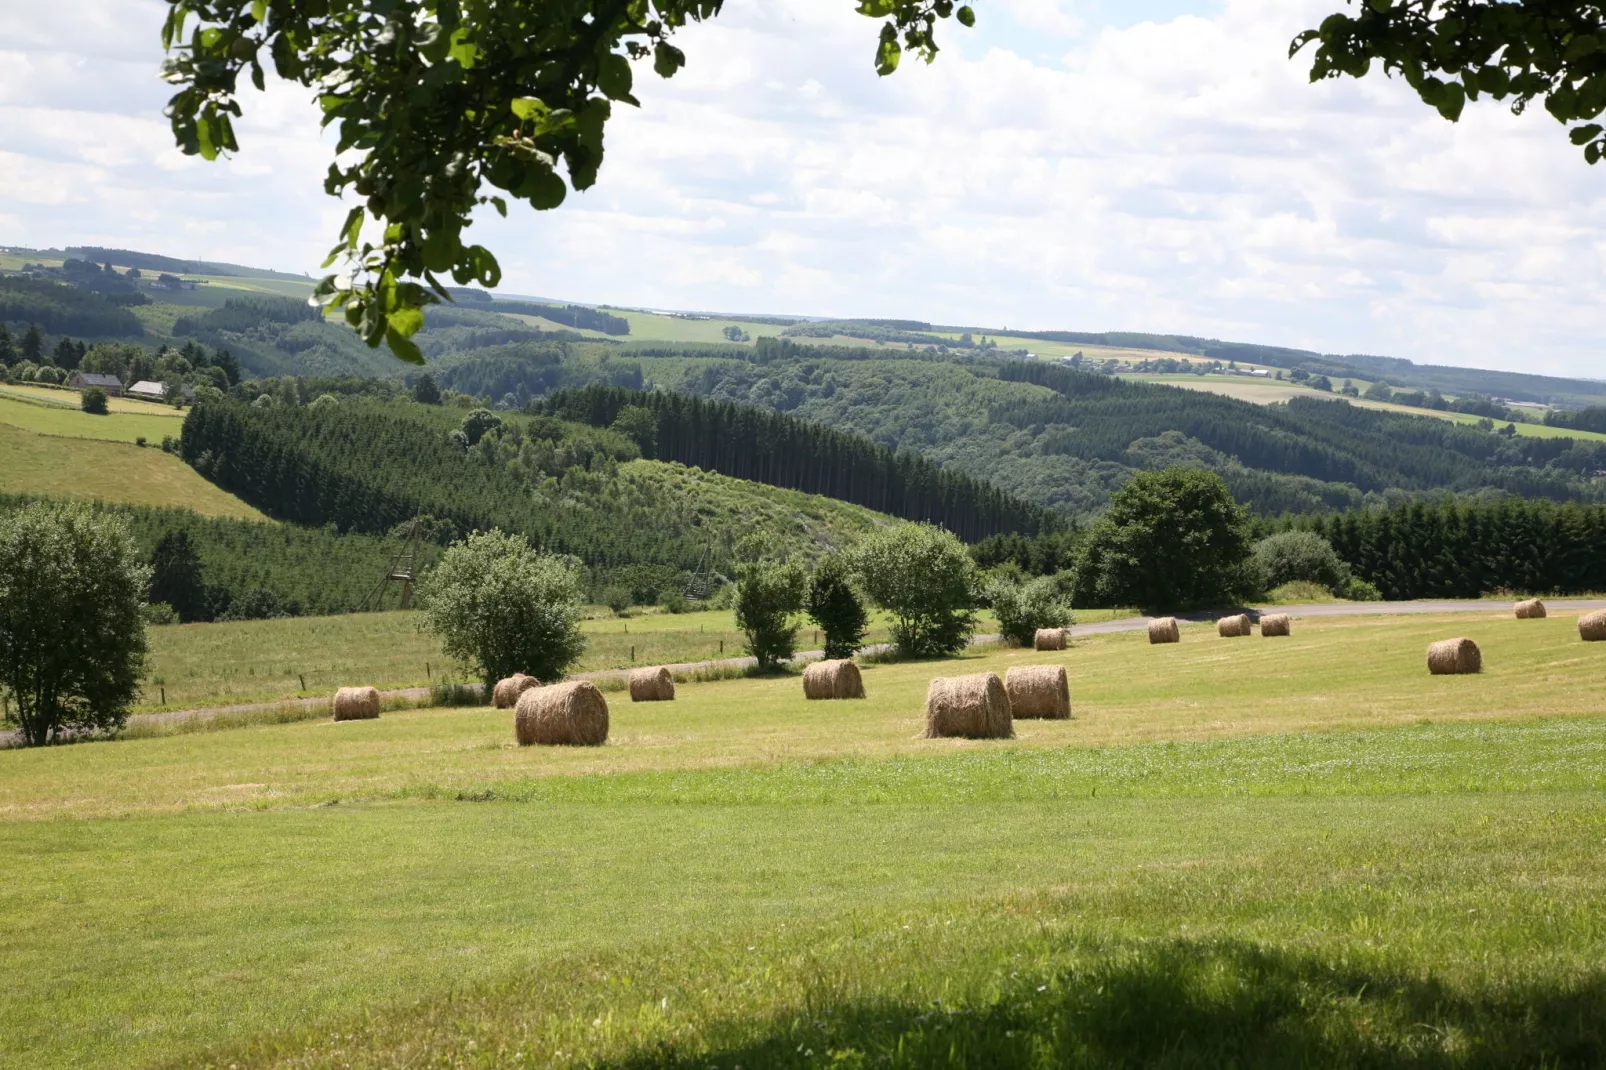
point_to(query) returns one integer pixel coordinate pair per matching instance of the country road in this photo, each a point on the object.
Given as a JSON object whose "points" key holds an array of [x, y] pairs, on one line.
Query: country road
{"points": [[1126, 624]]}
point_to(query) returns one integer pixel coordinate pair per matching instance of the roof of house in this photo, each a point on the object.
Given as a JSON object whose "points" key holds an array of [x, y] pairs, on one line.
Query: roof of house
{"points": [[145, 386], [97, 379]]}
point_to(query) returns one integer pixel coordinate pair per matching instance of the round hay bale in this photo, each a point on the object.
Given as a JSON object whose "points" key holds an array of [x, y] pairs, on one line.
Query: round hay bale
{"points": [[1452, 656], [833, 679], [652, 685], [506, 692], [1049, 639], [1275, 624], [1592, 626], [1532, 609], [1231, 627], [1038, 691], [1164, 630], [572, 714], [356, 704], [972, 707]]}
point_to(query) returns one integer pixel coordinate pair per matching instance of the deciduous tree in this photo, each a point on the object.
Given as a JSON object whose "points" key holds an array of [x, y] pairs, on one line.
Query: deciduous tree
{"points": [[72, 635]]}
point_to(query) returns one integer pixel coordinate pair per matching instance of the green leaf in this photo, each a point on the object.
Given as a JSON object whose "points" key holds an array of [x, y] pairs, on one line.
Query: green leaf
{"points": [[966, 16], [615, 78], [203, 138], [667, 59], [463, 50], [403, 347], [259, 10], [888, 52], [542, 187], [406, 321], [529, 107]]}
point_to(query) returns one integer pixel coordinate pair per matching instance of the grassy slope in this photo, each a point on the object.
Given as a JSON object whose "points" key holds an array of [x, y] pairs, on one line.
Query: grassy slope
{"points": [[67, 398], [63, 467], [51, 418], [1427, 890]]}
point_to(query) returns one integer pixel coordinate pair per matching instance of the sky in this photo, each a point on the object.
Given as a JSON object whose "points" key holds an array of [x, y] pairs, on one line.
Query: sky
{"points": [[1141, 165]]}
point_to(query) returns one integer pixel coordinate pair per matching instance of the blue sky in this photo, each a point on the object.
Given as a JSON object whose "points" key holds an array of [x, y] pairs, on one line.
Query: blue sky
{"points": [[1073, 164]]}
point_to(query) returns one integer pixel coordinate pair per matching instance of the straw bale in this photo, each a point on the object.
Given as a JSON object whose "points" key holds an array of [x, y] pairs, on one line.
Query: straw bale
{"points": [[1532, 609], [1164, 630], [1592, 626], [1038, 691], [1275, 624], [570, 714], [506, 692], [833, 679], [1049, 639], [652, 685], [1451, 656], [356, 703], [975, 707], [1230, 627]]}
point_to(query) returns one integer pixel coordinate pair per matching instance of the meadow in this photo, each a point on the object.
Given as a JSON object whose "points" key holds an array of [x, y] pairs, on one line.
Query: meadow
{"points": [[59, 466], [1265, 852], [202, 665], [122, 424]]}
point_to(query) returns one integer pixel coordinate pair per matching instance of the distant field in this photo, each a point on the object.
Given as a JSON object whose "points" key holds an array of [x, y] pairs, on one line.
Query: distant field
{"points": [[64, 467], [1240, 852], [53, 418], [651, 326], [1264, 392]]}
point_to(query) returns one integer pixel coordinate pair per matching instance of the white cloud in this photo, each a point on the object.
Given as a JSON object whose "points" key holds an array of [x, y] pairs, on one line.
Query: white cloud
{"points": [[1061, 167]]}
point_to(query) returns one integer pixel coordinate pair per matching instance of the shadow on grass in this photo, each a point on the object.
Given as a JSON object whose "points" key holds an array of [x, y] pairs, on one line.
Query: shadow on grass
{"points": [[1183, 1004]]}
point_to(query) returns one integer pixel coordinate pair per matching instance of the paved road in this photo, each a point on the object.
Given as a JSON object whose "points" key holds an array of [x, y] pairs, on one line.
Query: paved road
{"points": [[1125, 624], [1345, 609]]}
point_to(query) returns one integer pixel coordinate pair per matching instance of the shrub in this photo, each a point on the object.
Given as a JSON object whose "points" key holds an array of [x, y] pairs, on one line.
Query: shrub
{"points": [[503, 607], [93, 401], [1172, 539], [768, 595], [1290, 556], [160, 613], [673, 601], [425, 392], [925, 578], [141, 441], [1022, 608], [72, 634], [833, 604], [616, 599], [1356, 589]]}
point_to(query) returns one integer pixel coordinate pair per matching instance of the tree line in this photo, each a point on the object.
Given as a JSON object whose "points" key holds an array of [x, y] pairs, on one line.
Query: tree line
{"points": [[770, 447], [1456, 548]]}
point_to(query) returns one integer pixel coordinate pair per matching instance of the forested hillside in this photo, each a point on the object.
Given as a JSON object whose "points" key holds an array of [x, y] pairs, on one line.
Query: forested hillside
{"points": [[367, 467], [750, 443], [1065, 438]]}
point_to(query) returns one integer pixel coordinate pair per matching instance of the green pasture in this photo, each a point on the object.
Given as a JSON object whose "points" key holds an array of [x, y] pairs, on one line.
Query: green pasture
{"points": [[1301, 851], [204, 665], [658, 327], [52, 417], [69, 467]]}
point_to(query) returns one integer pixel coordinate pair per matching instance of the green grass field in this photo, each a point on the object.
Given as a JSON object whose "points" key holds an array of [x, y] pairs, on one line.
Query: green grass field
{"points": [[1250, 852], [51, 417], [204, 665], [71, 467]]}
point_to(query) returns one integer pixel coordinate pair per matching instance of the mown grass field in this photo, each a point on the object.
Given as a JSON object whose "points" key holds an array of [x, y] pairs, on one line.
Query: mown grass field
{"points": [[71, 467], [201, 665], [64, 397], [119, 425], [1265, 852]]}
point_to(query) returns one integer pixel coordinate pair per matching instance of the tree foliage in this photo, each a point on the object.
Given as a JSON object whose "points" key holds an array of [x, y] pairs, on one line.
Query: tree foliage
{"points": [[502, 607], [833, 605], [72, 636], [922, 575], [749, 442], [1172, 539], [1451, 51], [1024, 607], [433, 101], [1291, 556], [1453, 548], [769, 595]]}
